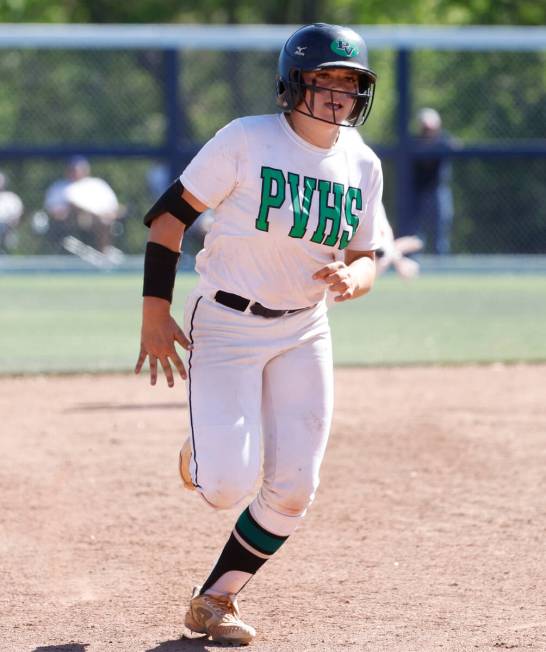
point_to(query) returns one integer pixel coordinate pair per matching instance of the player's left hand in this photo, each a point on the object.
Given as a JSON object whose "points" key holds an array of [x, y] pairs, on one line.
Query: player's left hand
{"points": [[339, 277]]}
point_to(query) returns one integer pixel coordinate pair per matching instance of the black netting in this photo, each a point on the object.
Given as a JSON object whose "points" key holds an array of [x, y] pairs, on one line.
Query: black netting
{"points": [[115, 107], [89, 97], [500, 206], [483, 96]]}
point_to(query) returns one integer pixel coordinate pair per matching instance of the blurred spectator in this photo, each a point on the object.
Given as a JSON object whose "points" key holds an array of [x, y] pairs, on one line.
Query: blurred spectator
{"points": [[394, 251], [432, 213], [56, 202], [81, 206], [11, 210]]}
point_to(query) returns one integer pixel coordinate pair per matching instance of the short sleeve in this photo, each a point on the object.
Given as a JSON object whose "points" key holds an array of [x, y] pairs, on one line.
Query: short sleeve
{"points": [[368, 236], [214, 171]]}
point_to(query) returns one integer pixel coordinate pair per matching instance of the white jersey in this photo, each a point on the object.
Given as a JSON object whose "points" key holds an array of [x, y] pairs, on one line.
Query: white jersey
{"points": [[283, 208]]}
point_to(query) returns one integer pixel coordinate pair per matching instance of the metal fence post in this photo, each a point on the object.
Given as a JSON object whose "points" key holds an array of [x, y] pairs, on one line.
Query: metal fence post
{"points": [[173, 114], [404, 190]]}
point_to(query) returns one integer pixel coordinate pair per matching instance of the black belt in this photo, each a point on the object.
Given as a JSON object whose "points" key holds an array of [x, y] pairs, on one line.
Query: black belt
{"points": [[241, 304]]}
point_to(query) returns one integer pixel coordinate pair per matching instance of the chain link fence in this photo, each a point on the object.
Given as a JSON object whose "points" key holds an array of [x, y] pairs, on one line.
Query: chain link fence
{"points": [[112, 107]]}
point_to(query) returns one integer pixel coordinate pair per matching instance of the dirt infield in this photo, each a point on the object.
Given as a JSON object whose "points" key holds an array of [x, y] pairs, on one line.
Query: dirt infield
{"points": [[428, 532]]}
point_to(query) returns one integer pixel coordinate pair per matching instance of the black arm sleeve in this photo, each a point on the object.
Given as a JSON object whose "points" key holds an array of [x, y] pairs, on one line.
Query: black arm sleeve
{"points": [[171, 202], [159, 271]]}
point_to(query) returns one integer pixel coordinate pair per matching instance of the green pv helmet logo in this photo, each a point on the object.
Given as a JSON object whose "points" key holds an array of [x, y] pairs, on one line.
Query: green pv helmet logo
{"points": [[344, 48]]}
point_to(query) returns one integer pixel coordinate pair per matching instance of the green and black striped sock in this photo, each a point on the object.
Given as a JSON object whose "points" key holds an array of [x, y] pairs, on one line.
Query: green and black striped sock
{"points": [[247, 549]]}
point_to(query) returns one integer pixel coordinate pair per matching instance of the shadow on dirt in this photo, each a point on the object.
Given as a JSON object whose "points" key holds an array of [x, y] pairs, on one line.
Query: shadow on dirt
{"points": [[197, 643], [66, 647]]}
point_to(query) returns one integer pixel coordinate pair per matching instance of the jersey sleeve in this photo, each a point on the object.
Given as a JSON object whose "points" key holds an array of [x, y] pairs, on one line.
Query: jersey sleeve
{"points": [[214, 172], [368, 235]]}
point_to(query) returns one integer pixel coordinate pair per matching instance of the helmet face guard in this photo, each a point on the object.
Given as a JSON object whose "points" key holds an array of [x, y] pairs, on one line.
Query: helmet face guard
{"points": [[320, 47], [299, 95]]}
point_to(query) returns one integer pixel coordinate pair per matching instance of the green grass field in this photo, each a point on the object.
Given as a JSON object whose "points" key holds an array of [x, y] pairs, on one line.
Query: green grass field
{"points": [[91, 322]]}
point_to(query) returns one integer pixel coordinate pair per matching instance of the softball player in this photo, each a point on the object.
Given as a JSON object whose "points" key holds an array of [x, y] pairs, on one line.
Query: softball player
{"points": [[288, 191]]}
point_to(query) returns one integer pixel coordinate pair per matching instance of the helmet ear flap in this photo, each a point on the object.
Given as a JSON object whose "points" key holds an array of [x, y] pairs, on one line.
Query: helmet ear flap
{"points": [[295, 87], [289, 91], [363, 105], [281, 93]]}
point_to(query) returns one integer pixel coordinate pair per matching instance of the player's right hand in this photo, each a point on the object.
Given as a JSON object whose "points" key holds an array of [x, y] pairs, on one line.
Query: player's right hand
{"points": [[157, 340]]}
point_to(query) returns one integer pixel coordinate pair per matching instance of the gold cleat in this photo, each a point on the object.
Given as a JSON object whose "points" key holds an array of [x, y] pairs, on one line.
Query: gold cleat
{"points": [[218, 616], [184, 459]]}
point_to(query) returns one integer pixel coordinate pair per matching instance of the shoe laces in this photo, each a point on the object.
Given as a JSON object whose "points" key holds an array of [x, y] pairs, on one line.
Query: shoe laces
{"points": [[223, 606]]}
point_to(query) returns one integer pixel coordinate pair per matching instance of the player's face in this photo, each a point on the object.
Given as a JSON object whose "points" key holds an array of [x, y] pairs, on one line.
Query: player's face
{"points": [[332, 94]]}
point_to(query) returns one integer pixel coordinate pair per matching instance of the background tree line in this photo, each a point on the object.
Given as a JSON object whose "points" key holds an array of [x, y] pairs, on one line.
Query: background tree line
{"points": [[434, 12]]}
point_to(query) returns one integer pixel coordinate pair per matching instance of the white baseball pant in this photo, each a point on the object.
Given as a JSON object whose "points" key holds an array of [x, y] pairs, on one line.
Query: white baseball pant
{"points": [[249, 375]]}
